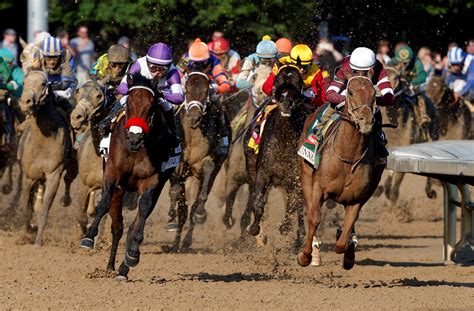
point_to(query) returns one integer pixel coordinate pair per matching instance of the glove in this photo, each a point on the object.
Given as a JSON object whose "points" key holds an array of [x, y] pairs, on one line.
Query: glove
{"points": [[64, 94], [243, 84], [12, 86], [214, 88], [58, 86]]}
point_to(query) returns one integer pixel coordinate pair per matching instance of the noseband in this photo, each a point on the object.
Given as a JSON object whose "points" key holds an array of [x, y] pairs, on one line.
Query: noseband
{"points": [[44, 93], [195, 103]]}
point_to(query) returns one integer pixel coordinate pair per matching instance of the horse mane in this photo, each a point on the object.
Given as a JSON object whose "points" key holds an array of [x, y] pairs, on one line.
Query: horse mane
{"points": [[137, 79]]}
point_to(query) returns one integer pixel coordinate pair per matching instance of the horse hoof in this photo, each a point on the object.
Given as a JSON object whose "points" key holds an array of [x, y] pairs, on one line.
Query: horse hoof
{"points": [[200, 218], [66, 201], [316, 261], [303, 259], [6, 189], [349, 257], [87, 243], [121, 278], [254, 230], [171, 227], [378, 192], [131, 261], [432, 194], [229, 222]]}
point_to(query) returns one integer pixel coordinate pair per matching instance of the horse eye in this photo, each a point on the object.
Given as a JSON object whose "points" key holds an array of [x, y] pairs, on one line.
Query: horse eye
{"points": [[350, 93]]}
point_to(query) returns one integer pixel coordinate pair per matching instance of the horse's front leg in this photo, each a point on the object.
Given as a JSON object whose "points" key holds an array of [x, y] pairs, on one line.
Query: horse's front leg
{"points": [[209, 172], [69, 176], [51, 187], [313, 197], [342, 246], [116, 227], [258, 198], [103, 207]]}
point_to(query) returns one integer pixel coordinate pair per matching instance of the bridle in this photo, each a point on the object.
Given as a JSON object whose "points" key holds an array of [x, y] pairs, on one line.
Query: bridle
{"points": [[136, 124], [40, 97], [85, 103], [195, 103], [352, 118]]}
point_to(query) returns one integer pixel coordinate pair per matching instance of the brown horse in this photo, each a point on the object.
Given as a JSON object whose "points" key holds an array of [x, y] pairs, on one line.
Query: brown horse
{"points": [[348, 171], [202, 155], [276, 164], [46, 147], [139, 151]]}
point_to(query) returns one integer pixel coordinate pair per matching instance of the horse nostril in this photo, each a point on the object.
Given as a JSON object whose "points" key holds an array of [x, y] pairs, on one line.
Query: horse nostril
{"points": [[28, 101], [79, 117]]}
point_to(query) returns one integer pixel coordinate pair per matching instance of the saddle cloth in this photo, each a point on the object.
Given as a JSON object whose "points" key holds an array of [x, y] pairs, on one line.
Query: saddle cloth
{"points": [[258, 128], [310, 149]]}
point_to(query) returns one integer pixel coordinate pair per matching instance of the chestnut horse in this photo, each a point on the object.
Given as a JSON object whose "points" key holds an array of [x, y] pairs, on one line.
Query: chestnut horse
{"points": [[139, 148], [348, 171]]}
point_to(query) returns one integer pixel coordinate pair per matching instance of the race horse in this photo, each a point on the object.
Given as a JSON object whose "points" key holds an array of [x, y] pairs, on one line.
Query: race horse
{"points": [[202, 154], [85, 117], [45, 149], [276, 163], [236, 170], [348, 172], [140, 146]]}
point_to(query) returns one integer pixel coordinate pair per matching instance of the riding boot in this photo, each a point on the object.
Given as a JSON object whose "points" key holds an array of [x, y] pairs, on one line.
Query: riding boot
{"points": [[170, 124], [327, 113], [224, 135]]}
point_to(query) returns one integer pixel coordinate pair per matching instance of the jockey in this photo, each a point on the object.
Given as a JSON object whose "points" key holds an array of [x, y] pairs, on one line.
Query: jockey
{"points": [[413, 71], [301, 56], [110, 69], [11, 86], [230, 59], [158, 66], [459, 82], [284, 47], [200, 59], [57, 62], [265, 54]]}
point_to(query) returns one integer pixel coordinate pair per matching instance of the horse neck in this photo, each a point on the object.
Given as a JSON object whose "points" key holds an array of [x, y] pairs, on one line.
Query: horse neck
{"points": [[349, 143], [44, 117]]}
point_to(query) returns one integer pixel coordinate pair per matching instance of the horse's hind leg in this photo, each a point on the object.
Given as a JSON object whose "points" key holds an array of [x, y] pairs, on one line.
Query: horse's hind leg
{"points": [[102, 209], [258, 198], [69, 176], [395, 189], [233, 184], [25, 212], [174, 193], [430, 192], [352, 213], [51, 187], [115, 213], [180, 197]]}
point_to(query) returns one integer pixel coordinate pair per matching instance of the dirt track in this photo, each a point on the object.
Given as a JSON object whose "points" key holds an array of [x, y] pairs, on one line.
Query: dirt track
{"points": [[398, 266]]}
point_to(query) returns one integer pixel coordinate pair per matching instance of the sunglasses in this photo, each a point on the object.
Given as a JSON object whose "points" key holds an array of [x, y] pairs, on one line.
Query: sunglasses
{"points": [[51, 58], [157, 68]]}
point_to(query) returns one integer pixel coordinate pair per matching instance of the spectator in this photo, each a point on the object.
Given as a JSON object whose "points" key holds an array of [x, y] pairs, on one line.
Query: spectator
{"points": [[125, 42], [382, 52], [9, 42], [63, 35], [424, 54], [469, 56], [329, 57], [83, 51]]}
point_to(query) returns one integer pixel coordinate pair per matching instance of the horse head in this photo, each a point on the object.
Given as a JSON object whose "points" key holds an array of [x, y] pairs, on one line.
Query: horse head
{"points": [[288, 89], [139, 111], [35, 91], [360, 103], [393, 75], [89, 98], [197, 97]]}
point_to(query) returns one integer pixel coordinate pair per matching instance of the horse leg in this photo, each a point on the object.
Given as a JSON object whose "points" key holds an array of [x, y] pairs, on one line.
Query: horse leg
{"points": [[115, 213], [25, 210], [258, 198], [313, 198], [233, 184], [83, 204], [69, 176], [174, 193], [179, 192], [291, 205], [297, 206], [430, 192], [342, 246], [103, 207], [51, 187], [388, 184], [209, 173], [395, 189], [8, 172]]}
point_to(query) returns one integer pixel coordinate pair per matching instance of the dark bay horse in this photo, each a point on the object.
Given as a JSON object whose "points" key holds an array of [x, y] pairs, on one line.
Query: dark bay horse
{"points": [[202, 154], [348, 171], [139, 148], [276, 164]]}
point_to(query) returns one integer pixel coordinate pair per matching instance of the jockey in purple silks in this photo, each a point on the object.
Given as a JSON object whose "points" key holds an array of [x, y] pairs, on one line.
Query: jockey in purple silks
{"points": [[157, 66]]}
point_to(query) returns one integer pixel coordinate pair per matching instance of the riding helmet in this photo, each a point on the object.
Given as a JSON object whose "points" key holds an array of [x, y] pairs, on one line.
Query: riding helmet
{"points": [[219, 46], [284, 45], [404, 54], [301, 54], [198, 51], [456, 56], [362, 58], [117, 53], [52, 47], [266, 48], [160, 54]]}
